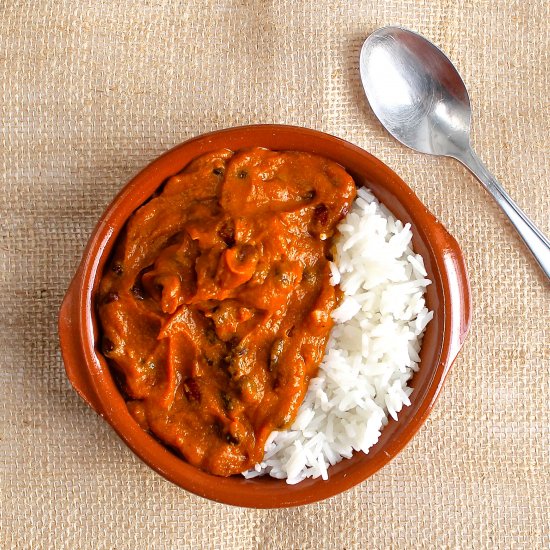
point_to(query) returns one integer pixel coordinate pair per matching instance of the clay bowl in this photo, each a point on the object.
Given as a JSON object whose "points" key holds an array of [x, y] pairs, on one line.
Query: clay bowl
{"points": [[448, 297]]}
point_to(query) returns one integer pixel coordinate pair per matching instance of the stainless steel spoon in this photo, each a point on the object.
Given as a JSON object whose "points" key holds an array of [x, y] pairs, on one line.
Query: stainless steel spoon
{"points": [[419, 97]]}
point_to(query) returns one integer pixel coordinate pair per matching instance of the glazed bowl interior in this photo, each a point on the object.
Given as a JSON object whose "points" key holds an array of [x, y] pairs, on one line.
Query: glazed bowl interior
{"points": [[448, 297]]}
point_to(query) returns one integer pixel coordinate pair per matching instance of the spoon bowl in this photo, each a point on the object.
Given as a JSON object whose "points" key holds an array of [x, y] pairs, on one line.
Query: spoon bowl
{"points": [[418, 96], [416, 92]]}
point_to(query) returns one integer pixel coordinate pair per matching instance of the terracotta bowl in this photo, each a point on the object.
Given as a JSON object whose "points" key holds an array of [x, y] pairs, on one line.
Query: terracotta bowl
{"points": [[448, 297]]}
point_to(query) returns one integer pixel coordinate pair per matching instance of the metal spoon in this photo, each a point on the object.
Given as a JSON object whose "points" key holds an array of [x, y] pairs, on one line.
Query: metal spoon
{"points": [[419, 97]]}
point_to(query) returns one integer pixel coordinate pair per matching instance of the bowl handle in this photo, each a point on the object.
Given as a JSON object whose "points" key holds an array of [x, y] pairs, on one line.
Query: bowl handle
{"points": [[457, 291], [71, 347]]}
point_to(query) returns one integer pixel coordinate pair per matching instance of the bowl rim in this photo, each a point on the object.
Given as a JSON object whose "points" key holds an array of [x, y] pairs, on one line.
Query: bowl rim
{"points": [[90, 375]]}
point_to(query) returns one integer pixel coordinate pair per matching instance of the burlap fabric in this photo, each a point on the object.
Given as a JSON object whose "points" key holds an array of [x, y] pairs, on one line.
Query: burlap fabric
{"points": [[91, 91]]}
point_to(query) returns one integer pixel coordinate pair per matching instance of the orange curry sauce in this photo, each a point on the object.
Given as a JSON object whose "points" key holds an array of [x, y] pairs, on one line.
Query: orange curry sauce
{"points": [[215, 307]]}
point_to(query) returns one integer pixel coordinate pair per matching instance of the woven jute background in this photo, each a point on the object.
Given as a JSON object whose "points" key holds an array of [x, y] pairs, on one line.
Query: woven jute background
{"points": [[91, 91]]}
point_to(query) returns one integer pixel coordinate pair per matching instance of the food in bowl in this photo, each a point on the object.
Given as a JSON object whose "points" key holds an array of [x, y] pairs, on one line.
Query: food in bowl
{"points": [[216, 307], [219, 300]]}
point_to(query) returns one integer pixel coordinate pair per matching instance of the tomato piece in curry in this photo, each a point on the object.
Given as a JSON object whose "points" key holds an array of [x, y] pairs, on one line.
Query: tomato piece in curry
{"points": [[215, 309]]}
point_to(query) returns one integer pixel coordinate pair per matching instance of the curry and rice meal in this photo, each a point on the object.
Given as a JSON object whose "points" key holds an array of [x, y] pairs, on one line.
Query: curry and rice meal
{"points": [[262, 316]]}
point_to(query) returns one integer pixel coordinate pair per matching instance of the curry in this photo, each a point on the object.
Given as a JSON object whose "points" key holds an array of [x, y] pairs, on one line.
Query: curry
{"points": [[215, 308]]}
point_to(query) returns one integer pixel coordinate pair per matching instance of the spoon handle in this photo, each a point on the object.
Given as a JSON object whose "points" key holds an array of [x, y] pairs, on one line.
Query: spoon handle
{"points": [[537, 243]]}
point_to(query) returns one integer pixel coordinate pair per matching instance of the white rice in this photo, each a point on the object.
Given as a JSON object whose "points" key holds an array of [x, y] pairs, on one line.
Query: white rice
{"points": [[372, 353]]}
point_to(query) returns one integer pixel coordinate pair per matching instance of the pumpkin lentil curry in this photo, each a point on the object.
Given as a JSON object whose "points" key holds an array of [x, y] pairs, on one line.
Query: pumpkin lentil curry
{"points": [[215, 308]]}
